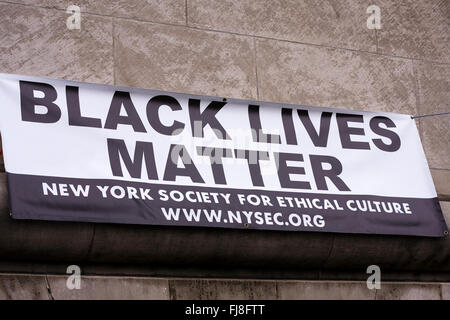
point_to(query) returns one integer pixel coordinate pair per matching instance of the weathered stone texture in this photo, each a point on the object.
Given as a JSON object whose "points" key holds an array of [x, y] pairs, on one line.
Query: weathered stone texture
{"points": [[441, 179], [415, 29], [203, 289], [330, 23], [323, 290], [445, 206], [110, 288], [416, 291], [184, 60], [23, 287], [300, 74], [35, 41], [168, 11], [434, 96]]}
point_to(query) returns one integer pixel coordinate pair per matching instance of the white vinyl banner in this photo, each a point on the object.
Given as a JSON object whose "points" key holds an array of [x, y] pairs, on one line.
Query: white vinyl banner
{"points": [[99, 153]]}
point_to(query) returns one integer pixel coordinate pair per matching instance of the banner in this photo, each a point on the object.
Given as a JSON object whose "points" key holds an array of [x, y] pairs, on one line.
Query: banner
{"points": [[98, 153]]}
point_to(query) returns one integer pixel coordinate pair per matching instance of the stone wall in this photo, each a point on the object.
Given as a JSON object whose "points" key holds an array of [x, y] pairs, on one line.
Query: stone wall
{"points": [[289, 51], [27, 286]]}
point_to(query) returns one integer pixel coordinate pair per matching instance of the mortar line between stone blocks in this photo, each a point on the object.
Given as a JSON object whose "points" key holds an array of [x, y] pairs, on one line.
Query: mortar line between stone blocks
{"points": [[376, 41], [285, 40], [237, 34], [49, 289]]}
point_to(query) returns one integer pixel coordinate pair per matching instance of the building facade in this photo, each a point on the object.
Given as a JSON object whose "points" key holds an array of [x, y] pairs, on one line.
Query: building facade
{"points": [[342, 54]]}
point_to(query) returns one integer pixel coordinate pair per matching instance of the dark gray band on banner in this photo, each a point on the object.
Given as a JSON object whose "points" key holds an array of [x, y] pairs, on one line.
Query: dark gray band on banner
{"points": [[143, 203]]}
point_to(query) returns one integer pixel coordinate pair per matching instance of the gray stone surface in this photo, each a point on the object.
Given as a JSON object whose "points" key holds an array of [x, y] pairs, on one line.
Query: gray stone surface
{"points": [[441, 179], [168, 11], [211, 58], [35, 41], [445, 206], [331, 23], [317, 76], [445, 290], [209, 247], [409, 291], [415, 29], [41, 240], [22, 287], [434, 97], [34, 286], [184, 60], [110, 288], [434, 87], [186, 289], [326, 290], [436, 141]]}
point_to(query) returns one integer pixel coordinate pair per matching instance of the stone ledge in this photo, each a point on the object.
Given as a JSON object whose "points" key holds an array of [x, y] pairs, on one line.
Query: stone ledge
{"points": [[441, 179], [28, 286]]}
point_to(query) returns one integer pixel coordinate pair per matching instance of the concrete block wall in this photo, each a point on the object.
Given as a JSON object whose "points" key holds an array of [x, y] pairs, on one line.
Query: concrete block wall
{"points": [[288, 51]]}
